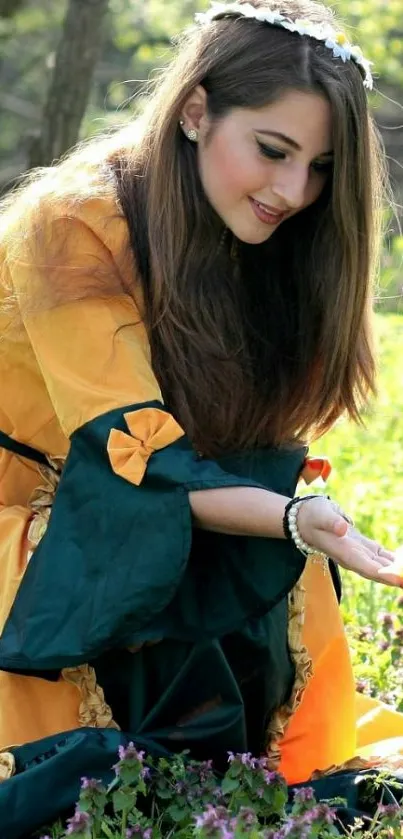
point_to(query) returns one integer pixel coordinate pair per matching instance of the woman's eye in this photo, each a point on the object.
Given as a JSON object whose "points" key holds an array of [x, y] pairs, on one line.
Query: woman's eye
{"points": [[323, 168], [269, 151], [277, 154]]}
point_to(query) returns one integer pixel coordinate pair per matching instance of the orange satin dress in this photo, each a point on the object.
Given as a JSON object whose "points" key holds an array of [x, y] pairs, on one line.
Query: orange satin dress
{"points": [[64, 362]]}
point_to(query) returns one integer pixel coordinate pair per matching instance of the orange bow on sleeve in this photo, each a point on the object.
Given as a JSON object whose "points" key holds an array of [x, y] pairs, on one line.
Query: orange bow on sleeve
{"points": [[315, 467], [150, 430]]}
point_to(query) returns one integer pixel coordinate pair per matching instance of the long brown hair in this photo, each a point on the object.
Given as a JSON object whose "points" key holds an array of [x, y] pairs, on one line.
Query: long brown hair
{"points": [[273, 346], [279, 346]]}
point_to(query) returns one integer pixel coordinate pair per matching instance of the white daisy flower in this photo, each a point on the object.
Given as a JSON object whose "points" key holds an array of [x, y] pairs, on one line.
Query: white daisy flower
{"points": [[335, 41]]}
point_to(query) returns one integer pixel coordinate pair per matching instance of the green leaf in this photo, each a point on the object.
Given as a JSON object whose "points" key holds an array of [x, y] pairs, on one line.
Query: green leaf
{"points": [[229, 785], [123, 800], [178, 814]]}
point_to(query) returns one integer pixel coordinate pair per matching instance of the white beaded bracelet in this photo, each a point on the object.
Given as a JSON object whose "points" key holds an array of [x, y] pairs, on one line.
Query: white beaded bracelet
{"points": [[295, 534], [291, 531]]}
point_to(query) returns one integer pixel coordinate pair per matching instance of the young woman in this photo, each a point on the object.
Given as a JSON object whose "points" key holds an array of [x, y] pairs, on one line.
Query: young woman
{"points": [[185, 305]]}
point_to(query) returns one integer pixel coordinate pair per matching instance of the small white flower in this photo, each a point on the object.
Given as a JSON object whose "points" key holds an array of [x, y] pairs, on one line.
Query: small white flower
{"points": [[339, 50], [305, 27], [335, 41], [268, 16], [288, 24]]}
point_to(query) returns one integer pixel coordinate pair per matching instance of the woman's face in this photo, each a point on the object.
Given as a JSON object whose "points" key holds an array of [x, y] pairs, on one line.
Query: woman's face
{"points": [[260, 166]]}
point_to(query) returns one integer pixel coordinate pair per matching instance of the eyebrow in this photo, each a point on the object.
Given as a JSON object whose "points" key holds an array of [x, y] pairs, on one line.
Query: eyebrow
{"points": [[289, 141]]}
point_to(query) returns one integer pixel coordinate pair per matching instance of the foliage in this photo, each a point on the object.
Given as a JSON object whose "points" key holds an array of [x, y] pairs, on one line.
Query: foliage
{"points": [[377, 655], [367, 480], [181, 799], [389, 294], [137, 39], [377, 26]]}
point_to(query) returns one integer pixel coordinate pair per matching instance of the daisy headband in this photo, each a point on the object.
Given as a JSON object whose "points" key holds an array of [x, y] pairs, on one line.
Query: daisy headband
{"points": [[335, 41]]}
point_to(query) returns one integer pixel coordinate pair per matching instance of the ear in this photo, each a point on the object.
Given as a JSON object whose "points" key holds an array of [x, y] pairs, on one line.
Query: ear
{"points": [[194, 111]]}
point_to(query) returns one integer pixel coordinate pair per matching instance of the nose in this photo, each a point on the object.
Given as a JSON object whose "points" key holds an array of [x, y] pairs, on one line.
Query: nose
{"points": [[290, 186]]}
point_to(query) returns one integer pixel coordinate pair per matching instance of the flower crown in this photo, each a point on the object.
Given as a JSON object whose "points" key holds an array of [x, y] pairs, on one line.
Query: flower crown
{"points": [[335, 41]]}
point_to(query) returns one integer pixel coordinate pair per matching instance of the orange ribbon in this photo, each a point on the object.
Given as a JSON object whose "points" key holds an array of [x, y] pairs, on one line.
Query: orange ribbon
{"points": [[315, 467], [150, 430]]}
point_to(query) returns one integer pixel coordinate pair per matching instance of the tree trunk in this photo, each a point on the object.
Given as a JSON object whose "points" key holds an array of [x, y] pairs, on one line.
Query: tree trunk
{"points": [[70, 87]]}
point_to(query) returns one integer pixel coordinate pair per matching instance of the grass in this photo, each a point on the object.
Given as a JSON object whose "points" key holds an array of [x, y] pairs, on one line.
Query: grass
{"points": [[367, 480]]}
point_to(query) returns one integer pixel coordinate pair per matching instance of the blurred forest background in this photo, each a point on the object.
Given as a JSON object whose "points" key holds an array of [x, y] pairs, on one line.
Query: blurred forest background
{"points": [[71, 68]]}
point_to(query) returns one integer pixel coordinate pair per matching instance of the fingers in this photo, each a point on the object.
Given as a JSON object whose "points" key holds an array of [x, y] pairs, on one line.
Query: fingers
{"points": [[392, 572], [389, 577], [376, 548], [388, 556], [340, 526], [333, 523], [385, 560], [372, 569], [367, 567]]}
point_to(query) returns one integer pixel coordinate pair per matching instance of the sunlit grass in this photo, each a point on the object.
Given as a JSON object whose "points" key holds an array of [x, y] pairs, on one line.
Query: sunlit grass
{"points": [[367, 474]]}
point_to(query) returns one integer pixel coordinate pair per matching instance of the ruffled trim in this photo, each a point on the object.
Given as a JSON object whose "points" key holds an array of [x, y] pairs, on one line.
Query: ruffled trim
{"points": [[94, 711], [7, 766], [150, 429], [392, 763], [279, 722], [41, 502]]}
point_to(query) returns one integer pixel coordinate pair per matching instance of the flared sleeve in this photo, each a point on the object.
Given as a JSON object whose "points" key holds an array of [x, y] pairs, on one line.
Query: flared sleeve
{"points": [[118, 549]]}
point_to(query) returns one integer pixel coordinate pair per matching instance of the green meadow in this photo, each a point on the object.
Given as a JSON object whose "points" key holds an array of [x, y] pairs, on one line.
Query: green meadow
{"points": [[367, 480]]}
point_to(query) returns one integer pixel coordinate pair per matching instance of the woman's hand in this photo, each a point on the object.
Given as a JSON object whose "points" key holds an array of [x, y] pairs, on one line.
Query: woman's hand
{"points": [[321, 526]]}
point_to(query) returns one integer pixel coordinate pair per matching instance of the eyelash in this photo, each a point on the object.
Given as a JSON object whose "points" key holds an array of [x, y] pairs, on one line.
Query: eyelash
{"points": [[276, 154]]}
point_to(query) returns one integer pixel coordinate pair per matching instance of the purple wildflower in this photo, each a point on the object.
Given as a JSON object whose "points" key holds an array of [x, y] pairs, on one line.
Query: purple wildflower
{"points": [[215, 821], [390, 810], [245, 758], [292, 829], [246, 818], [133, 831], [91, 783], [180, 787], [205, 770], [304, 795], [262, 762], [137, 831], [79, 824], [321, 812], [297, 829], [271, 777], [130, 753], [387, 620], [366, 634]]}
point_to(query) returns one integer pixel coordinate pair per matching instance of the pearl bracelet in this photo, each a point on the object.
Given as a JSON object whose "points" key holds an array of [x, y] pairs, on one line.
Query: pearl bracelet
{"points": [[296, 536], [291, 530]]}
